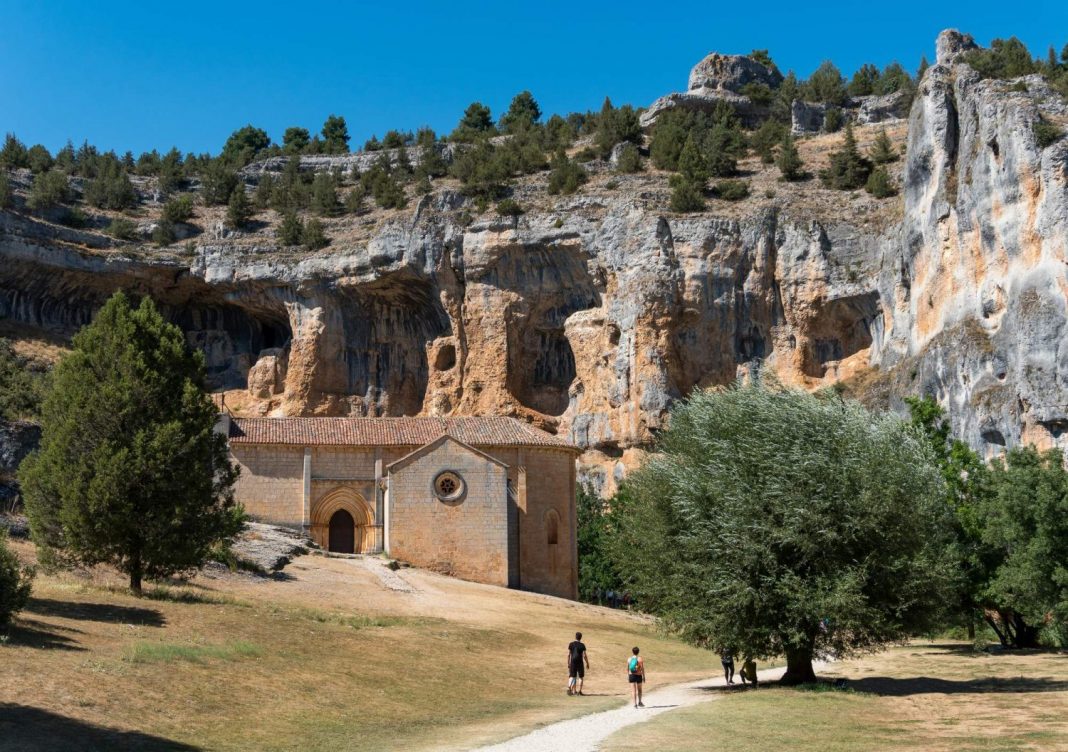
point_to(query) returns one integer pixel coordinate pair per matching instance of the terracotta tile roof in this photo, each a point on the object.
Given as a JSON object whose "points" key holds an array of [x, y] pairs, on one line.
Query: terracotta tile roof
{"points": [[477, 431]]}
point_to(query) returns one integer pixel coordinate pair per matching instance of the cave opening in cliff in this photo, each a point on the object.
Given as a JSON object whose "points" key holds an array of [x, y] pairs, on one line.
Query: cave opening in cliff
{"points": [[842, 327], [541, 368]]}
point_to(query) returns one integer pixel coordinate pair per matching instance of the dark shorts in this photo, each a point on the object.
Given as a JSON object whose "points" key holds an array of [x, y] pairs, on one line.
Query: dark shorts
{"points": [[635, 678], [576, 669]]}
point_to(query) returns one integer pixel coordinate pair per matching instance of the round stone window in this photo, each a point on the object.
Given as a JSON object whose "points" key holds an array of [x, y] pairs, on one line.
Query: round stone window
{"points": [[449, 487]]}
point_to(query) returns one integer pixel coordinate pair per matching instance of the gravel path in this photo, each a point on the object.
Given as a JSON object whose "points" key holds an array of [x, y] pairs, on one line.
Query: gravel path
{"points": [[586, 733]]}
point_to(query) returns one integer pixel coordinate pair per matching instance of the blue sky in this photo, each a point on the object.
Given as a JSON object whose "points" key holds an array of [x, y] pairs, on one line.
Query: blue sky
{"points": [[138, 75]]}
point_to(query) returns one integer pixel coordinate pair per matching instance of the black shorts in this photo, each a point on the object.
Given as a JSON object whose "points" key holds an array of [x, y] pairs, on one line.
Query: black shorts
{"points": [[635, 678], [576, 668]]}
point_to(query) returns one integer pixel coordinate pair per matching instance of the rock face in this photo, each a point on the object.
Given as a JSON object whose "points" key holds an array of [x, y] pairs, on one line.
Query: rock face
{"points": [[731, 72], [592, 316], [16, 441]]}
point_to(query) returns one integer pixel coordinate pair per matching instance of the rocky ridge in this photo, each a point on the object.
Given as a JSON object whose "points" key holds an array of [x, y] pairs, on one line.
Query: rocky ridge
{"points": [[591, 314]]}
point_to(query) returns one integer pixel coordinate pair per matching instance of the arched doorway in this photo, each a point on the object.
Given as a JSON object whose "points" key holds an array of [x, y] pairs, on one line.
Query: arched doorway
{"points": [[342, 533]]}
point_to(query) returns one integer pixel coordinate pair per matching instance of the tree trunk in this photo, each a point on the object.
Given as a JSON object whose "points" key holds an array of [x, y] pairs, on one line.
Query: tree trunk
{"points": [[798, 667], [1026, 635], [135, 577]]}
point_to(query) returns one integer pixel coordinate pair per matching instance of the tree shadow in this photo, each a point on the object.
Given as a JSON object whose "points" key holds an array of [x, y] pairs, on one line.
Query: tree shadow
{"points": [[890, 687], [35, 634], [28, 729], [107, 612]]}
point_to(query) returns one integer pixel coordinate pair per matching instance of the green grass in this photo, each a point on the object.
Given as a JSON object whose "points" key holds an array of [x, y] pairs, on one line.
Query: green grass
{"points": [[170, 652]]}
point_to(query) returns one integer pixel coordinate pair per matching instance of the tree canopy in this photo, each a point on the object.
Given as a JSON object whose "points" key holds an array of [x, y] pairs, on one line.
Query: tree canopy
{"points": [[772, 521], [130, 470]]}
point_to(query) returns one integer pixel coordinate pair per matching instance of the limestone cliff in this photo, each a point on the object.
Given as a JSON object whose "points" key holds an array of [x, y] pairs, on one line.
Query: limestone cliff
{"points": [[589, 315]]}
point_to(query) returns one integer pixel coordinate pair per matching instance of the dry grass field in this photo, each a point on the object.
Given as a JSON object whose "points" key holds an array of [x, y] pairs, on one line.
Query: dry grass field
{"points": [[325, 657], [934, 697]]}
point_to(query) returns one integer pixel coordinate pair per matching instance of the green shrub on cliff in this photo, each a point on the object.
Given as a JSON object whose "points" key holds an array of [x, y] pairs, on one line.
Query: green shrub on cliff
{"points": [[50, 189], [566, 175], [848, 170], [1046, 133], [13, 155], [239, 209], [178, 209], [1005, 58], [791, 168], [7, 194], [879, 183], [314, 237]]}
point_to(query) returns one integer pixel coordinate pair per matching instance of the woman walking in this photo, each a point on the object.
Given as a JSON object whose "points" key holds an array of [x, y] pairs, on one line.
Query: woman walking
{"points": [[636, 676]]}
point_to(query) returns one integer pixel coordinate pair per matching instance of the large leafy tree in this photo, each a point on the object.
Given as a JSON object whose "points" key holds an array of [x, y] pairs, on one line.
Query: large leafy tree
{"points": [[595, 530], [772, 521], [243, 145], [1025, 522], [130, 470]]}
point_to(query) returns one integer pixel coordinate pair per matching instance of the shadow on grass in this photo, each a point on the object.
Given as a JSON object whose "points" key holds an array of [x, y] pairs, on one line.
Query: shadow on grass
{"points": [[108, 612], [29, 729], [886, 686], [35, 634]]}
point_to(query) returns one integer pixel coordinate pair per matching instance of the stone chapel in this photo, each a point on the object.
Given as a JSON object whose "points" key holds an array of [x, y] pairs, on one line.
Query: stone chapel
{"points": [[489, 499]]}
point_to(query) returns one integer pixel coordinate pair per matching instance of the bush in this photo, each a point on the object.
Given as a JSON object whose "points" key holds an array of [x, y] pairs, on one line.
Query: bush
{"points": [[731, 190], [879, 184], [354, 200], [122, 229], [179, 209], [1046, 133], [50, 189], [16, 581], [566, 176], [630, 159], [164, 234], [313, 238], [509, 208], [686, 195], [20, 388]]}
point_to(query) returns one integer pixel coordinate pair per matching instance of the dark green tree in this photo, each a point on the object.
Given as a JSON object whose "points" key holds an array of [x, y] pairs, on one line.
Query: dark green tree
{"points": [[777, 522], [879, 183], [864, 81], [178, 209], [566, 176], [239, 209], [314, 237], [217, 183], [825, 85], [616, 125], [597, 570], [766, 138], [686, 195], [14, 154], [669, 136], [630, 159], [1005, 58], [50, 189], [131, 470], [324, 201], [1025, 522], [335, 135], [295, 140], [291, 229], [111, 189], [692, 165], [848, 170], [20, 387], [16, 582], [476, 123], [788, 91], [893, 78], [791, 168], [243, 145], [883, 151], [523, 113], [171, 171], [39, 159]]}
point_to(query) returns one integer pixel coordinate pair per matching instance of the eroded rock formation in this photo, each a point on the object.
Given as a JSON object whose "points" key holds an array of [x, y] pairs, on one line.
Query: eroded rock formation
{"points": [[591, 314]]}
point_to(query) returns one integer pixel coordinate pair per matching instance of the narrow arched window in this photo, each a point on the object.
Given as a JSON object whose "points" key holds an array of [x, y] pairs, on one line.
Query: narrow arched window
{"points": [[552, 527]]}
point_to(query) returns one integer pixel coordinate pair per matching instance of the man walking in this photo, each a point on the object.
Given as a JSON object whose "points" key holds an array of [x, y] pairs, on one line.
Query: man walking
{"points": [[576, 672]]}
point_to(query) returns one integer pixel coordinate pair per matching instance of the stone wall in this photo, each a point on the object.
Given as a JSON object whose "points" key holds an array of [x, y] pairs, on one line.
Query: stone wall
{"points": [[468, 539], [271, 484]]}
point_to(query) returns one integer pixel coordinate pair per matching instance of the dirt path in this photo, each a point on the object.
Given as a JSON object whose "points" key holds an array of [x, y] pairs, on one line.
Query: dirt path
{"points": [[585, 734]]}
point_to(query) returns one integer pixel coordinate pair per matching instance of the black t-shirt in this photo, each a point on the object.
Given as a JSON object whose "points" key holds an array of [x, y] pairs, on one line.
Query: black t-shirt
{"points": [[575, 651]]}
